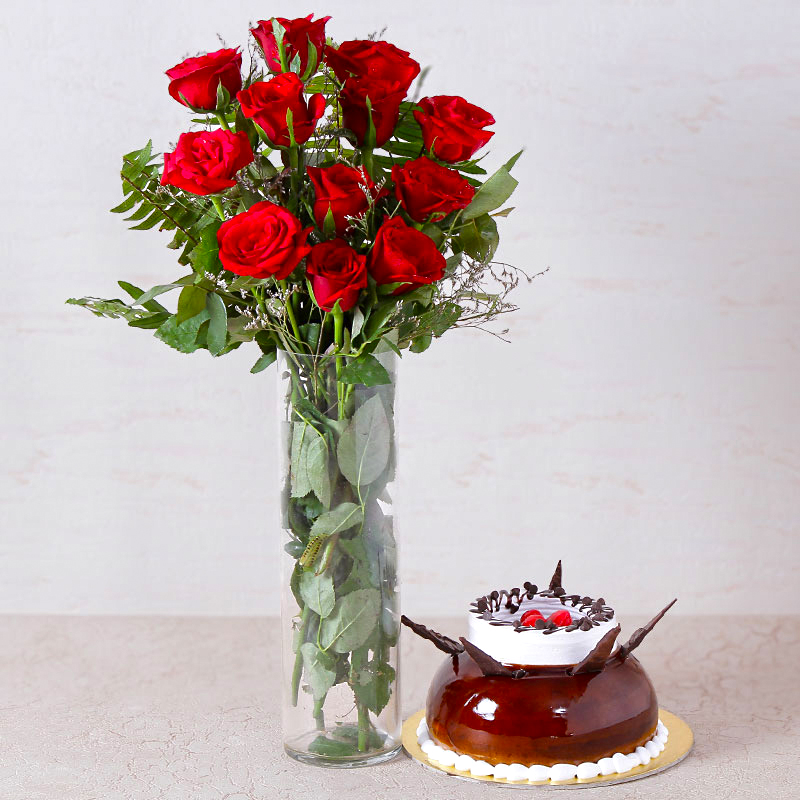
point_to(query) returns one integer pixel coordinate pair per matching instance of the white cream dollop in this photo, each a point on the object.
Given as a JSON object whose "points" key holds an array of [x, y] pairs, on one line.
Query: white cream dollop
{"points": [[618, 763]]}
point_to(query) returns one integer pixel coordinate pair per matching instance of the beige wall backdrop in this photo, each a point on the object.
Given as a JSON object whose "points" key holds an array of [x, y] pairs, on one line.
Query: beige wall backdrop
{"points": [[643, 423]]}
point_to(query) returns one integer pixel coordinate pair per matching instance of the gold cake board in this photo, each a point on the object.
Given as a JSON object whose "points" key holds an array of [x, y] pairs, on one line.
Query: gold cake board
{"points": [[679, 743]]}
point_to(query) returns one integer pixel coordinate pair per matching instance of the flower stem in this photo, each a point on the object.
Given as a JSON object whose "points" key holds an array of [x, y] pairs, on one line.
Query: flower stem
{"points": [[222, 121], [338, 336], [287, 304]]}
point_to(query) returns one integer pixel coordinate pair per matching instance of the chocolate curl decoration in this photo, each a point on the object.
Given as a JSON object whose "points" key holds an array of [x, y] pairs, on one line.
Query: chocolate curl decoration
{"points": [[555, 581], [486, 663], [444, 643], [639, 634], [596, 660]]}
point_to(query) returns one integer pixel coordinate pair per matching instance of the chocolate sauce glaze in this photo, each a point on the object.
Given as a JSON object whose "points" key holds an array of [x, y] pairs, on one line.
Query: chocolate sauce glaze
{"points": [[547, 717]]}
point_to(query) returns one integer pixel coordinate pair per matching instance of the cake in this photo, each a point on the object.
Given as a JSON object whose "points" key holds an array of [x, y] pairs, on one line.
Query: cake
{"points": [[540, 690]]}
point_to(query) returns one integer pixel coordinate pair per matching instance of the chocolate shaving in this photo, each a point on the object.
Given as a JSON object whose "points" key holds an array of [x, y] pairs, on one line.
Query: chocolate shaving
{"points": [[595, 661], [487, 664], [638, 635], [444, 643], [555, 581]]}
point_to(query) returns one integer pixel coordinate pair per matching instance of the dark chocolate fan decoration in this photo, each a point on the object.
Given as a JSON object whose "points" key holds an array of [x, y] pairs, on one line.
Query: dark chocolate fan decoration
{"points": [[487, 664], [638, 635], [595, 661], [444, 643]]}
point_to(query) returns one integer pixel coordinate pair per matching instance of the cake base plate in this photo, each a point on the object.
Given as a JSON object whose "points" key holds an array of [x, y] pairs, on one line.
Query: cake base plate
{"points": [[678, 746]]}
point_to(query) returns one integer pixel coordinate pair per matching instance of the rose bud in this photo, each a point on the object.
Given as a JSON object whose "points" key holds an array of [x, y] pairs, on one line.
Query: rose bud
{"points": [[429, 191], [337, 273], [402, 254], [385, 98], [205, 162], [264, 241], [299, 34], [376, 61], [452, 128], [377, 70], [342, 189], [266, 103], [197, 79]]}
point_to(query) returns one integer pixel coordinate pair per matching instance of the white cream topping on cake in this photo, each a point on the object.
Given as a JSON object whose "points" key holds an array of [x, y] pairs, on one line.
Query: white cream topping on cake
{"points": [[530, 646]]}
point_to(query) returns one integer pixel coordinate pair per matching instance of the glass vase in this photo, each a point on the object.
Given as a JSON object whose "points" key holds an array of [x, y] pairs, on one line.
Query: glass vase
{"points": [[340, 610]]}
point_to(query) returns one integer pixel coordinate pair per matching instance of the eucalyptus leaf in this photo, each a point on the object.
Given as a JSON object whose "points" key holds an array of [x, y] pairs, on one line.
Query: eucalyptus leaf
{"points": [[363, 449], [351, 622]]}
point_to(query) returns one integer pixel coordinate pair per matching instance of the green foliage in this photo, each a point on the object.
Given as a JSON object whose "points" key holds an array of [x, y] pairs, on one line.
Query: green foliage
{"points": [[351, 622], [363, 450]]}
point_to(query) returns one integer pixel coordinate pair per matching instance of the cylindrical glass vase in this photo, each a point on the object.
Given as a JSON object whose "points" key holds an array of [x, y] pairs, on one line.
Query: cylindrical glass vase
{"points": [[340, 609]]}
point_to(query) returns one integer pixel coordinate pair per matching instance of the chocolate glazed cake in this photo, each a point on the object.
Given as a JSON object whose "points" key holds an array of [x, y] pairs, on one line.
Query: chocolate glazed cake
{"points": [[540, 690]]}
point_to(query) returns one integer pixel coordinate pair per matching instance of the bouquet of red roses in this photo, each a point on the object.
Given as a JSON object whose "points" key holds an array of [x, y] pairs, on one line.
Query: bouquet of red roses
{"points": [[322, 214]]}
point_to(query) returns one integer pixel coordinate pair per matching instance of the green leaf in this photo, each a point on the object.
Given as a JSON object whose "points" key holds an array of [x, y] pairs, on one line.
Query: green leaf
{"points": [[509, 165], [182, 335], [366, 370], [329, 224], [421, 343], [135, 292], [151, 321], [317, 592], [324, 746], [155, 291], [479, 238], [320, 669], [265, 361], [351, 622], [205, 257], [317, 468], [372, 685], [379, 316], [300, 483], [217, 323], [191, 301], [341, 518], [363, 449], [497, 189]]}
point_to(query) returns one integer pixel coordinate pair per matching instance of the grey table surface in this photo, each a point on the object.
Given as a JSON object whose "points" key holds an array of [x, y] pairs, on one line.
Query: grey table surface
{"points": [[111, 708]]}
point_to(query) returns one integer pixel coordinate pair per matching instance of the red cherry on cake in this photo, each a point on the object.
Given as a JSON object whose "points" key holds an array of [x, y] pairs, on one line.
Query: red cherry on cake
{"points": [[561, 618], [529, 617]]}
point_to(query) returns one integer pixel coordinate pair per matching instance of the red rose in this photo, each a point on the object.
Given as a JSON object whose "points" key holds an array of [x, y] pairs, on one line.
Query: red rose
{"points": [[337, 273], [377, 70], [206, 161], [377, 61], [341, 189], [264, 241], [299, 34], [428, 190], [385, 99], [266, 102], [404, 254], [452, 127], [197, 79]]}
